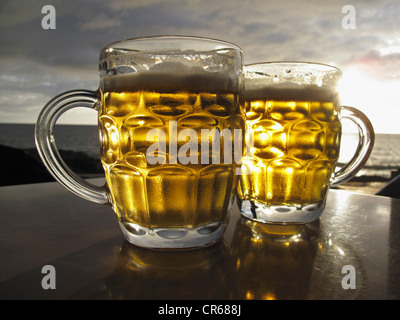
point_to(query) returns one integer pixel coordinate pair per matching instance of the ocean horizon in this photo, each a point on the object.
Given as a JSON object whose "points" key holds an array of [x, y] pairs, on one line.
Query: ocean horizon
{"points": [[382, 163]]}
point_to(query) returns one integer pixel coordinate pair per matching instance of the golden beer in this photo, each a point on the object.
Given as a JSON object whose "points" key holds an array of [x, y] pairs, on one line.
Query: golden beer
{"points": [[296, 136], [141, 110], [171, 126]]}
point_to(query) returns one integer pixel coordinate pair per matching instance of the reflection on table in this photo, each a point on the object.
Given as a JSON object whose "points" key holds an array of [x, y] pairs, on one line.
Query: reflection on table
{"points": [[273, 261], [149, 274], [43, 224]]}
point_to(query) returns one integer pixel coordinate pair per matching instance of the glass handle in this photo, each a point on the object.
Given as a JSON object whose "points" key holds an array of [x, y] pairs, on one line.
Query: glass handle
{"points": [[46, 146], [366, 139]]}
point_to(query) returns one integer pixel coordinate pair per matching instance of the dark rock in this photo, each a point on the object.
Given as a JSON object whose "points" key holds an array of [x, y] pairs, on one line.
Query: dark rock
{"points": [[25, 166], [19, 167]]}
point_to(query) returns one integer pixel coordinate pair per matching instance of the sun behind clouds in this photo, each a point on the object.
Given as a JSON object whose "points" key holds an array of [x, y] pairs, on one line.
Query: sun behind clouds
{"points": [[372, 96]]}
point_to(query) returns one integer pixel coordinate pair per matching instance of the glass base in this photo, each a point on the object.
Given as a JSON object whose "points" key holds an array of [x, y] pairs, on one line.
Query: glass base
{"points": [[282, 214], [173, 238]]}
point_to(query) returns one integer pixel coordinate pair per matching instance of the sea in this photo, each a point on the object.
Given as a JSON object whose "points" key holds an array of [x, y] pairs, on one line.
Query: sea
{"points": [[383, 162], [83, 138]]}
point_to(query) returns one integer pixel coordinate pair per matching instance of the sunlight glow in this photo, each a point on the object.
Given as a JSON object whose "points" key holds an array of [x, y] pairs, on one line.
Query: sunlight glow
{"points": [[389, 50], [379, 100]]}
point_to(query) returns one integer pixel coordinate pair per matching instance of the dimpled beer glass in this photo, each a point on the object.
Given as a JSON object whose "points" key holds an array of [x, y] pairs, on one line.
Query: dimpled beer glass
{"points": [[158, 101], [293, 130]]}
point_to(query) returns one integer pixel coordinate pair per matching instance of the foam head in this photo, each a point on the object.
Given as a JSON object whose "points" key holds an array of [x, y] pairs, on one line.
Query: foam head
{"points": [[288, 81], [289, 92], [170, 81]]}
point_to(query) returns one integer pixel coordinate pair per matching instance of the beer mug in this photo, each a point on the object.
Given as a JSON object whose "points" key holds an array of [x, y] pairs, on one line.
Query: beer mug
{"points": [[156, 96], [293, 133]]}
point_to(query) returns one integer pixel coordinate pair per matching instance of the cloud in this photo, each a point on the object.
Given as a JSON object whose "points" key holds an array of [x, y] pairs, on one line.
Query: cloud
{"points": [[37, 64], [381, 66], [100, 22], [265, 30], [27, 85], [14, 13]]}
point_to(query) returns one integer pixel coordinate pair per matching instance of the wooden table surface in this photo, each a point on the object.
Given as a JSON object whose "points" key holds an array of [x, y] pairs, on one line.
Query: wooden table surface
{"points": [[352, 252]]}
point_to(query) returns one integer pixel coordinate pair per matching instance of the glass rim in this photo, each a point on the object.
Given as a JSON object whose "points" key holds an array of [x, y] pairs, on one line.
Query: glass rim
{"points": [[172, 37]]}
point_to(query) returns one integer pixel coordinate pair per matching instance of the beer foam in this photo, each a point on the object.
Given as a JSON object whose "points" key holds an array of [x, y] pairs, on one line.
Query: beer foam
{"points": [[291, 92], [170, 81]]}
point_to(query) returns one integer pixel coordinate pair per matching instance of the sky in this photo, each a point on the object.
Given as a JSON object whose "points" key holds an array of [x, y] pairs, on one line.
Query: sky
{"points": [[37, 63]]}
